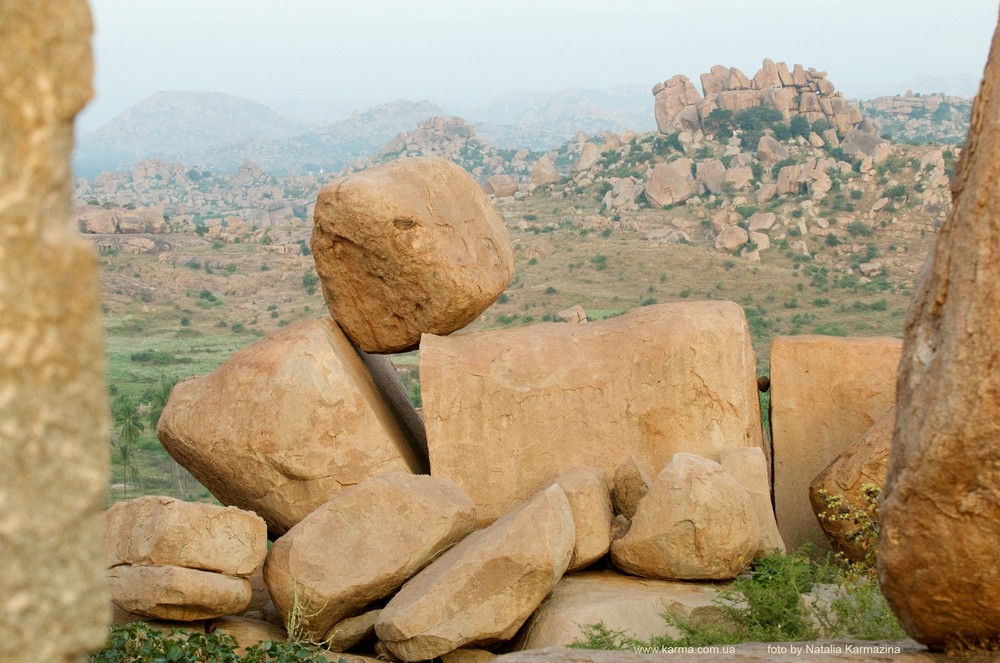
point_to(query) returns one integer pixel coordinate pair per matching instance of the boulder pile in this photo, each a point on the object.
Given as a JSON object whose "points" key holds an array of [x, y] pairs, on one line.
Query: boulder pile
{"points": [[624, 455]]}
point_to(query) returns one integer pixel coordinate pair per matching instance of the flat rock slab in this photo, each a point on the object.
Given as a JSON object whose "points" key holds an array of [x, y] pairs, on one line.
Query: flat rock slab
{"points": [[407, 248], [826, 392], [177, 594], [364, 544], [508, 410], [482, 590], [620, 602], [286, 424], [167, 531]]}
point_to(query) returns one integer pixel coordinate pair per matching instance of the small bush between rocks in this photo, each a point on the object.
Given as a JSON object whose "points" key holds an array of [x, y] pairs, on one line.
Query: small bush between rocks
{"points": [[771, 606], [141, 643]]}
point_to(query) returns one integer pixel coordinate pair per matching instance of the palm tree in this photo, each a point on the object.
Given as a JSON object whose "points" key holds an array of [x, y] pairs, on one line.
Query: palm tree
{"points": [[129, 426]]}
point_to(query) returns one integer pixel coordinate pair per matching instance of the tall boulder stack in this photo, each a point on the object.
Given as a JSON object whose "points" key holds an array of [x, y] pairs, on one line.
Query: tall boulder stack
{"points": [[53, 398], [806, 92], [287, 423], [939, 564], [408, 248], [508, 410]]}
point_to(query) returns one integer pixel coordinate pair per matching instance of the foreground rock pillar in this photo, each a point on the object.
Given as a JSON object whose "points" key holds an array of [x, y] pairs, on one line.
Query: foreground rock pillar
{"points": [[53, 399], [939, 562]]}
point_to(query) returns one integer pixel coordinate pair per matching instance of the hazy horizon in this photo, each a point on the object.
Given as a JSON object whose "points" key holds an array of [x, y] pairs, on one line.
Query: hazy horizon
{"points": [[347, 57]]}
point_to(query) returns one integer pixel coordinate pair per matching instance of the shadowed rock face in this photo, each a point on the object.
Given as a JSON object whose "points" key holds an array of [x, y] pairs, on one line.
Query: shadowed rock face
{"points": [[53, 396], [940, 509]]}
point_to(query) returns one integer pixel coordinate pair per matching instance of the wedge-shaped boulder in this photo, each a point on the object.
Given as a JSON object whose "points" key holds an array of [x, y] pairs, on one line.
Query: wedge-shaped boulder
{"points": [[352, 631], [826, 391], [166, 531], [630, 485], [622, 603], [362, 545], [286, 424], [589, 500], [247, 632], [482, 590], [177, 594], [508, 410], [696, 523], [407, 248], [749, 467], [849, 485]]}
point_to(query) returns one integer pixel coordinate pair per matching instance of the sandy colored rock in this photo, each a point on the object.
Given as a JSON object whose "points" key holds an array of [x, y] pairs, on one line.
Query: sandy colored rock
{"points": [[247, 632], [940, 509], [658, 380], [696, 523], [574, 314], [500, 186], [178, 594], [826, 392], [750, 469], [589, 500], [862, 464], [407, 248], [761, 221], [621, 603], [53, 394], [364, 544], [482, 590], [167, 531], [670, 183], [468, 655], [544, 172], [631, 483], [352, 631], [285, 424], [731, 238]]}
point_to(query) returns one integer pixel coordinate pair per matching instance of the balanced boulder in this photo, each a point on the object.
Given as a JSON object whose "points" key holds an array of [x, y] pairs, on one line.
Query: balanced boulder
{"points": [[286, 424], [508, 410], [407, 248], [362, 545], [696, 523], [630, 485], [482, 590], [749, 467], [176, 593], [589, 500]]}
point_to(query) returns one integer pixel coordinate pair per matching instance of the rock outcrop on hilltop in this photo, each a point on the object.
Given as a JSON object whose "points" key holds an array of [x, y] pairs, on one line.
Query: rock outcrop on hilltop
{"points": [[919, 118], [804, 92]]}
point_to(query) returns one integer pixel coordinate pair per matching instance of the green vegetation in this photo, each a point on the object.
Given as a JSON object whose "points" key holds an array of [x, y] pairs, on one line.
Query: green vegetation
{"points": [[141, 643]]}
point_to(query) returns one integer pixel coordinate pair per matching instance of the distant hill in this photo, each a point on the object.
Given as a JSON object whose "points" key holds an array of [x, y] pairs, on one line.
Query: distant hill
{"points": [[178, 126], [543, 120]]}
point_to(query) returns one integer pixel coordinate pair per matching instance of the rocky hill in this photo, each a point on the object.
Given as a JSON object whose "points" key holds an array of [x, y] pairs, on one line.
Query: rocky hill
{"points": [[919, 118], [178, 126]]}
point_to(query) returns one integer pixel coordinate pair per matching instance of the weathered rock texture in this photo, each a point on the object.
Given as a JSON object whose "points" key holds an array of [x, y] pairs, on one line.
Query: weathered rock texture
{"points": [[482, 590], [825, 393], [589, 500], [408, 248], [177, 594], [53, 407], [163, 530], [508, 410], [938, 555], [622, 603], [631, 483], [364, 544], [351, 631], [286, 424], [862, 464], [805, 92], [696, 523], [749, 467]]}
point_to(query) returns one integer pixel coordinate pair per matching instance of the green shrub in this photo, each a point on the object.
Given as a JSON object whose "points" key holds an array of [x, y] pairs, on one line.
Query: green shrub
{"points": [[799, 126], [859, 228], [600, 262]]}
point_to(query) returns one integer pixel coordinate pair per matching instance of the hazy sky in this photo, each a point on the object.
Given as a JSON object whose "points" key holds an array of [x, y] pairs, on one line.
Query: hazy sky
{"points": [[462, 53]]}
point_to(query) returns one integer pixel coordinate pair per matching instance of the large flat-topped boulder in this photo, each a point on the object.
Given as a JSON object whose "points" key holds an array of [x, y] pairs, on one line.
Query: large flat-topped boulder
{"points": [[825, 392], [620, 602], [508, 410], [407, 248], [362, 545], [164, 530], [286, 424]]}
